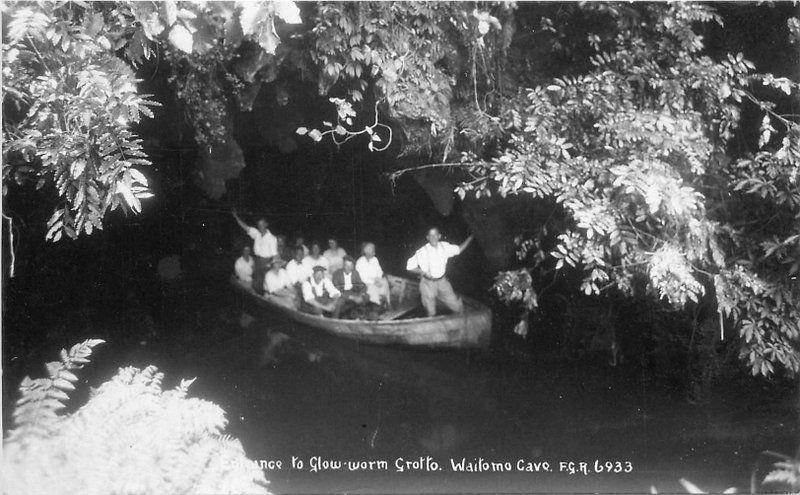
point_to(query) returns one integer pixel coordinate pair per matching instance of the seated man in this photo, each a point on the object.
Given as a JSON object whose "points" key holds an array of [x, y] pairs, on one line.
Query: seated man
{"points": [[283, 250], [335, 255], [277, 283], [301, 243], [353, 290], [298, 271], [315, 258], [371, 273], [320, 296], [244, 267]]}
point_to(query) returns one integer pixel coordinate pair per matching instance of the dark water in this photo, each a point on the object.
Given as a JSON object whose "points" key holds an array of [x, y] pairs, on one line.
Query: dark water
{"points": [[344, 401], [362, 403]]}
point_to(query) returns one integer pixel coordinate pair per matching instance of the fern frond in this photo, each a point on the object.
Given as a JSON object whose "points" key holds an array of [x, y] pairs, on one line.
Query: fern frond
{"points": [[136, 437], [26, 22], [41, 398], [183, 388], [786, 472]]}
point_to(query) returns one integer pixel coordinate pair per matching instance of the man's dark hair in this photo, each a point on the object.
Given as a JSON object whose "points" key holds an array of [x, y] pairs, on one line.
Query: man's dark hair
{"points": [[348, 258]]}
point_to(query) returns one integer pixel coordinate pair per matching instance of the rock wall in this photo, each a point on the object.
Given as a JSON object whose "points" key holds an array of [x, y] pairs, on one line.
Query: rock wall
{"points": [[224, 161], [495, 221]]}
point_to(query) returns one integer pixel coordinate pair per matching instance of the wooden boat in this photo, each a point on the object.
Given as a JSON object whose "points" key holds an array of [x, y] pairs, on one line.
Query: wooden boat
{"points": [[472, 328]]}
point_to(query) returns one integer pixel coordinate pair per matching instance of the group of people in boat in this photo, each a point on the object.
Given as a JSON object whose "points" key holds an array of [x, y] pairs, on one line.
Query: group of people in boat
{"points": [[333, 283]]}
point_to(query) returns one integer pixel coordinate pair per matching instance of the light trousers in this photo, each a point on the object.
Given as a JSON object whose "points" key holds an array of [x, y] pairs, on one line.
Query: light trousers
{"points": [[431, 290]]}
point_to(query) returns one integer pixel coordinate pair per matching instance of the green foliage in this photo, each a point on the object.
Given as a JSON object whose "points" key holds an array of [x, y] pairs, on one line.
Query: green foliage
{"points": [[35, 415], [635, 152], [130, 437], [785, 473], [783, 478], [692, 488], [343, 130], [638, 136], [394, 43], [75, 100], [204, 67], [68, 74], [70, 95], [409, 55]]}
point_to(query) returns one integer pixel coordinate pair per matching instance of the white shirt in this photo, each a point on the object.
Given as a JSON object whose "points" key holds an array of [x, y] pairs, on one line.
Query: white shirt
{"points": [[312, 289], [321, 261], [297, 272], [264, 246], [369, 269], [433, 260], [335, 258], [244, 269], [348, 280], [273, 282]]}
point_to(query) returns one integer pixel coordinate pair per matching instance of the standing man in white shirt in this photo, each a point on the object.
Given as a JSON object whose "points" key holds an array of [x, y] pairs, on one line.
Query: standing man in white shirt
{"points": [[265, 246], [244, 267], [430, 262]]}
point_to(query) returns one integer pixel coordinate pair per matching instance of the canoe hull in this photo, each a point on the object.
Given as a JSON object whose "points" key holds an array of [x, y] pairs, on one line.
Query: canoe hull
{"points": [[471, 329]]}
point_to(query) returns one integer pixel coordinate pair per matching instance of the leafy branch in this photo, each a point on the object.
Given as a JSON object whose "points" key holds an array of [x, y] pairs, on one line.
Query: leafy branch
{"points": [[635, 153], [40, 399], [134, 435], [340, 134]]}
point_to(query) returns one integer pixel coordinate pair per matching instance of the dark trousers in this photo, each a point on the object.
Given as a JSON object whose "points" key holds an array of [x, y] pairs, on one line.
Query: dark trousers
{"points": [[353, 304], [338, 303], [259, 271]]}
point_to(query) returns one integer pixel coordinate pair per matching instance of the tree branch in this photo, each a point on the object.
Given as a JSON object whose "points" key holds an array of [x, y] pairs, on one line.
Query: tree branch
{"points": [[397, 173], [13, 263]]}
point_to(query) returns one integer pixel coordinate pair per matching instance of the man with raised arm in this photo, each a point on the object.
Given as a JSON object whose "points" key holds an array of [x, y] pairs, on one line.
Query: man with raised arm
{"points": [[265, 246], [430, 263]]}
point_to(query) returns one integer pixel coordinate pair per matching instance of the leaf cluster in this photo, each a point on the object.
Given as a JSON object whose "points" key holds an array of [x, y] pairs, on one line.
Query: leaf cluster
{"points": [[132, 436], [638, 153], [74, 102]]}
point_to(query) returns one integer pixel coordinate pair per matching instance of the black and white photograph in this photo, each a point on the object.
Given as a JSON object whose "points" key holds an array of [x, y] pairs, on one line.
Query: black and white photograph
{"points": [[415, 247]]}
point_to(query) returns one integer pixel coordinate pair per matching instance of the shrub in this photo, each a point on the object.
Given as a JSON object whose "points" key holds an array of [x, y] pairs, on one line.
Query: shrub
{"points": [[130, 437]]}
